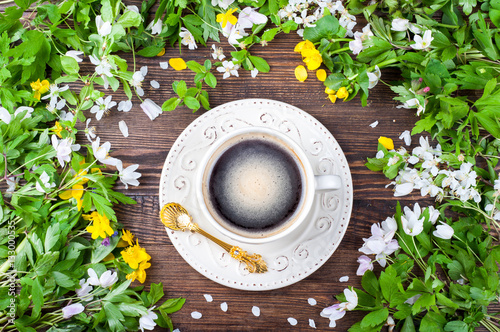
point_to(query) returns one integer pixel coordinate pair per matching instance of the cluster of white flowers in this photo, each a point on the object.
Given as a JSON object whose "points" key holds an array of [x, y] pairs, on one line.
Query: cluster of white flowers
{"points": [[434, 176], [246, 19]]}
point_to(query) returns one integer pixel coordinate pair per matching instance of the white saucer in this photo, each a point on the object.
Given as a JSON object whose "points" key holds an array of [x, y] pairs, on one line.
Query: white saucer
{"points": [[290, 259]]}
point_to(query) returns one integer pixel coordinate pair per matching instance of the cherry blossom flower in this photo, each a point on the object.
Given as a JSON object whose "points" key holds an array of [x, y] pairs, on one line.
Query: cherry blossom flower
{"points": [[129, 176], [136, 82], [54, 92], [103, 107], [228, 68], [103, 68], [75, 55], [89, 131], [249, 16], [356, 45], [187, 39], [122, 125], [147, 321], [406, 137], [63, 149], [155, 27], [101, 153], [151, 109], [443, 231], [45, 181], [411, 223], [424, 42], [365, 264], [106, 280], [72, 309], [84, 291], [373, 77], [234, 33], [337, 311], [103, 28]]}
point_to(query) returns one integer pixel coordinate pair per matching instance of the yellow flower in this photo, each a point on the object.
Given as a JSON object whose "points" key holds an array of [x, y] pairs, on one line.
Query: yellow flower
{"points": [[301, 73], [329, 91], [333, 98], [109, 257], [128, 237], [40, 87], [342, 93], [58, 129], [177, 63], [303, 45], [312, 58], [162, 52], [227, 17], [386, 142], [140, 273], [134, 255], [321, 75], [100, 225], [75, 192]]}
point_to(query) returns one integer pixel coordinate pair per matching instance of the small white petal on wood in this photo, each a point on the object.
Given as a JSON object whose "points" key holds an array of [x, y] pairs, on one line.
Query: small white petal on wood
{"points": [[196, 315], [256, 311], [123, 128]]}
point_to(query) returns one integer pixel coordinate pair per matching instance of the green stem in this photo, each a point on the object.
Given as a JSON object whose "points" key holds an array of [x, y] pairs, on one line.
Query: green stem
{"points": [[5, 266]]}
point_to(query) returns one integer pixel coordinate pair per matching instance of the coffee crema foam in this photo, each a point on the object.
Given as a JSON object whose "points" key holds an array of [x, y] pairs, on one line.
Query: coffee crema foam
{"points": [[255, 185]]}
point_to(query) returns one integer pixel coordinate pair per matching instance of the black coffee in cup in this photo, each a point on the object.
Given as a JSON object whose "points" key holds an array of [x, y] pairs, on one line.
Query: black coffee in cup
{"points": [[255, 185]]}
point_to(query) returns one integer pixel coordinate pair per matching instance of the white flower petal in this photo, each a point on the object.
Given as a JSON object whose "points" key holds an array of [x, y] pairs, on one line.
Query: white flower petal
{"points": [[164, 65], [256, 311], [374, 124], [155, 84], [123, 128], [312, 323], [223, 306], [196, 315], [344, 279], [208, 297], [292, 321], [311, 301]]}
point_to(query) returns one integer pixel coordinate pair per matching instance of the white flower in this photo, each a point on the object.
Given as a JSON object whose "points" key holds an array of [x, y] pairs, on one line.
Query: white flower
{"points": [[155, 27], [228, 68], [136, 82], [422, 43], [151, 109], [89, 131], [147, 321], [84, 291], [400, 24], [101, 153], [107, 279], [133, 8], [347, 21], [5, 116], [103, 28], [365, 264], [125, 105], [406, 136], [63, 149], [234, 33], [103, 68], [222, 3], [356, 45], [496, 185], [373, 77], [72, 309], [337, 311], [122, 125], [75, 55], [249, 16], [128, 175], [44, 179], [403, 189], [443, 231], [21, 109], [412, 225], [381, 243], [187, 39], [411, 103], [254, 72], [217, 53], [433, 214], [66, 116], [103, 107], [54, 92], [413, 299]]}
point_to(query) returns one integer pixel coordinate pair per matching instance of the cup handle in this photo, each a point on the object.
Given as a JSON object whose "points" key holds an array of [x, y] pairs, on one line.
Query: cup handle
{"points": [[327, 182]]}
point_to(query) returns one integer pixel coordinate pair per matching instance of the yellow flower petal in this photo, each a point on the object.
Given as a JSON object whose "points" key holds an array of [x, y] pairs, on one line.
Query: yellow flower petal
{"points": [[312, 58], [58, 129], [386, 142], [333, 98], [128, 237], [100, 225], [37, 95], [109, 257], [177, 63], [228, 16], [134, 255], [321, 74], [303, 45], [342, 93], [162, 52], [329, 91], [45, 86], [301, 73], [66, 194]]}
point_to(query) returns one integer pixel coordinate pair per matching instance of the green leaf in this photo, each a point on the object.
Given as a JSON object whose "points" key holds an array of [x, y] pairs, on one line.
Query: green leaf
{"points": [[37, 297], [445, 300], [45, 262], [155, 293], [456, 326], [388, 282], [259, 63], [51, 237], [113, 316], [180, 88], [192, 103], [171, 104], [269, 34], [101, 251], [370, 283], [211, 80], [151, 51], [172, 305], [326, 27], [375, 318], [195, 66], [63, 280], [408, 325], [129, 19]]}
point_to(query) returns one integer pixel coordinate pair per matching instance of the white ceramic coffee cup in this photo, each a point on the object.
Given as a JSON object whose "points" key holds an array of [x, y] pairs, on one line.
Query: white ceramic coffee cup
{"points": [[311, 185]]}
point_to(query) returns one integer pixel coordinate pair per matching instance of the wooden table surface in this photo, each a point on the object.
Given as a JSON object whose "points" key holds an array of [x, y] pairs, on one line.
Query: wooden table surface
{"points": [[149, 143]]}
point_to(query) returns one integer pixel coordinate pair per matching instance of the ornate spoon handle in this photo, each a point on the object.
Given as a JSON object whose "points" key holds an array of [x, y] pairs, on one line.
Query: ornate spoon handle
{"points": [[254, 263]]}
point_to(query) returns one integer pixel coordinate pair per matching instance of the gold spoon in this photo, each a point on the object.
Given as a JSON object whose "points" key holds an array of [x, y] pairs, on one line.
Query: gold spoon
{"points": [[176, 217]]}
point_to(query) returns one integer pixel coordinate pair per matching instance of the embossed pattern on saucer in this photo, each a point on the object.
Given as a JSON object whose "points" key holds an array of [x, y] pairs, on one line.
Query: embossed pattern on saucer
{"points": [[290, 259]]}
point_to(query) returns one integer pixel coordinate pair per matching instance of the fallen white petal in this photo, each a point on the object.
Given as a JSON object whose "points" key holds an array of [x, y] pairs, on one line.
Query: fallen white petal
{"points": [[374, 124], [223, 306], [164, 65], [256, 311], [155, 84], [312, 323], [176, 330], [292, 321], [311, 301], [208, 297], [196, 315], [344, 279], [123, 128]]}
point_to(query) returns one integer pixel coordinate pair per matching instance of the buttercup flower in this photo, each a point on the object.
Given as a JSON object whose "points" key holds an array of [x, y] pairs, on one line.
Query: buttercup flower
{"points": [[187, 39], [177, 63], [40, 88], [134, 255], [161, 53], [226, 17], [301, 73], [103, 107], [386, 142], [304, 45], [342, 93], [140, 273], [423, 42], [72, 309], [100, 225], [128, 237], [147, 322], [75, 192]]}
